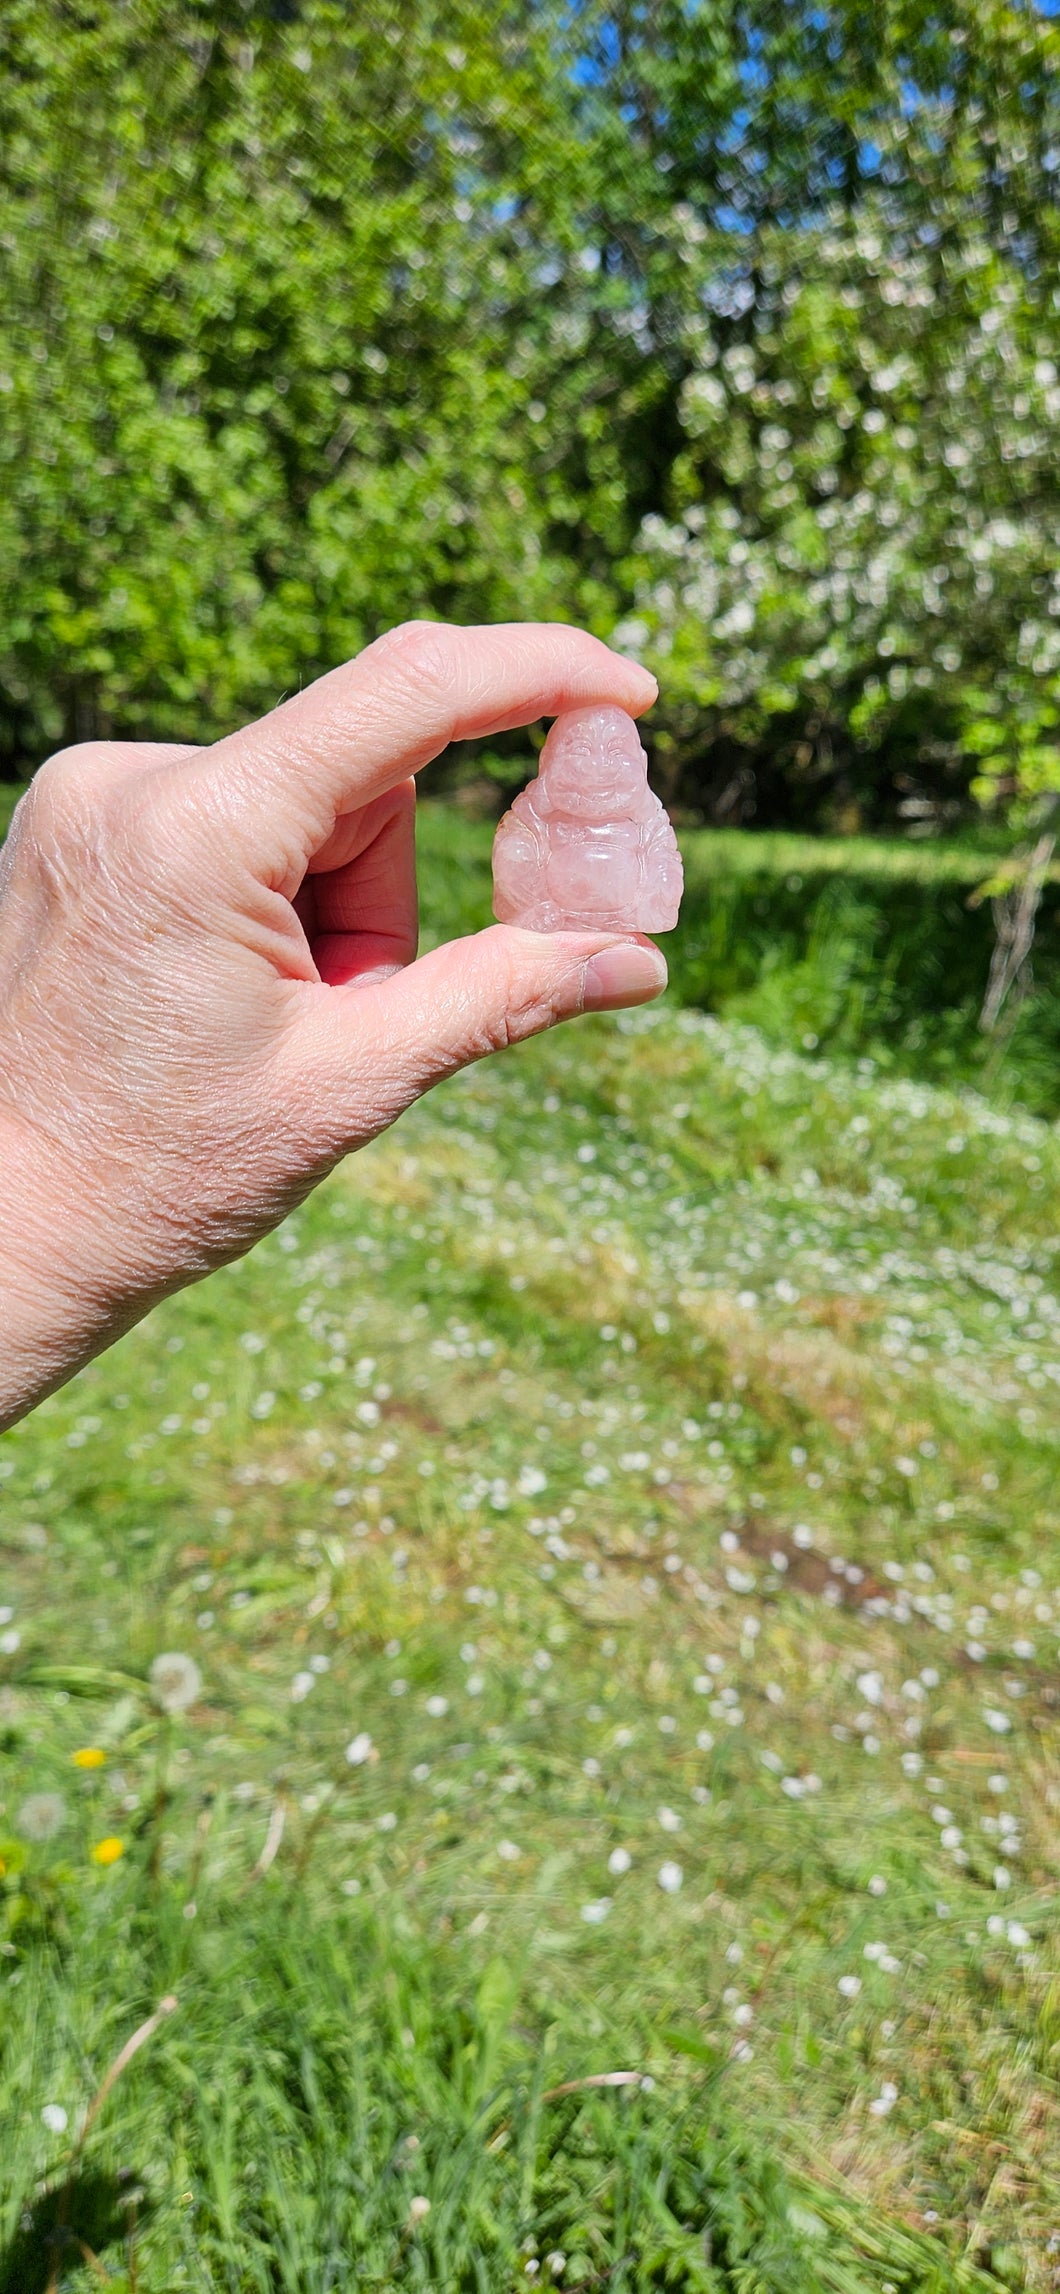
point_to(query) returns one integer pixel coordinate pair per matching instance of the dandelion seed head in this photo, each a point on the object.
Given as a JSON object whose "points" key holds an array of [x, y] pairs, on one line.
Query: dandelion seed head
{"points": [[41, 1816], [175, 1681]]}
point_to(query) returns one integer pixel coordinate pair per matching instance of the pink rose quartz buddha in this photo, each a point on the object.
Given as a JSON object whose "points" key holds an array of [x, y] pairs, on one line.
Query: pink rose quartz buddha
{"points": [[587, 846]]}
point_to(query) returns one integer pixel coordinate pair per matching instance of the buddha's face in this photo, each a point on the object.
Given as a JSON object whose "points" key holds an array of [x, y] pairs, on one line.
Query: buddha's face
{"points": [[593, 766]]}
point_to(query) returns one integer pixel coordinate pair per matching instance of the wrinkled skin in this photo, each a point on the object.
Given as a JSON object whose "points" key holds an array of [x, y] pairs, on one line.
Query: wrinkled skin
{"points": [[587, 846], [208, 991]]}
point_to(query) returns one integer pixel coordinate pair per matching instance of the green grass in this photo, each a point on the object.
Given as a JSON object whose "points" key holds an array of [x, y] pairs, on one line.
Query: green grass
{"points": [[651, 1446]]}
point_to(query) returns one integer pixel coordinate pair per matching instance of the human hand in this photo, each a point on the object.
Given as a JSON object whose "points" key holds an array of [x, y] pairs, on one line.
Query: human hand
{"points": [[208, 992]]}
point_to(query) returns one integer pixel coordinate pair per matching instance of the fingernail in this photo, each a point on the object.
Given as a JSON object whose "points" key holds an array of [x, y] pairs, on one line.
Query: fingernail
{"points": [[624, 975]]}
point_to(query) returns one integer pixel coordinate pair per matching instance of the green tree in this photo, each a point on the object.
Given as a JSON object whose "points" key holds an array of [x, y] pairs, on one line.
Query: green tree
{"points": [[264, 381], [851, 561], [727, 323]]}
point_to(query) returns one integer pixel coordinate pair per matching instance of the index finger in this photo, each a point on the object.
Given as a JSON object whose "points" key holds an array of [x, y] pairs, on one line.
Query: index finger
{"points": [[359, 729]]}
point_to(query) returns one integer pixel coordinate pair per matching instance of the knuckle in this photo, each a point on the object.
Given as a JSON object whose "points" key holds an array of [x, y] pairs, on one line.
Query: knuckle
{"points": [[58, 801], [531, 1015], [423, 652], [62, 783], [525, 1007], [70, 820]]}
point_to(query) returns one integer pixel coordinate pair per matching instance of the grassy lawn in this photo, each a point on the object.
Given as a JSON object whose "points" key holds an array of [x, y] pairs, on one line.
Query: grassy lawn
{"points": [[615, 1525]]}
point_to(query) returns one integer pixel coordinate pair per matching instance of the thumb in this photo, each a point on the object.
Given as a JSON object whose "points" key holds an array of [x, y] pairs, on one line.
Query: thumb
{"points": [[373, 1050]]}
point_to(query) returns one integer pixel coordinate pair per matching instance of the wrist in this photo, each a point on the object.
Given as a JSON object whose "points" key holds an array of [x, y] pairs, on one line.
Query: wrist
{"points": [[60, 1292]]}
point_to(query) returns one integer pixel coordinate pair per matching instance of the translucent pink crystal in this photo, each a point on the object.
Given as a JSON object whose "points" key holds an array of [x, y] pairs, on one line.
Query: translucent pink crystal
{"points": [[587, 846]]}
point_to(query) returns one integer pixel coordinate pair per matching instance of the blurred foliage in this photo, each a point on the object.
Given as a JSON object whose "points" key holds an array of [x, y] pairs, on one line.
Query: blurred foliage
{"points": [[728, 326]]}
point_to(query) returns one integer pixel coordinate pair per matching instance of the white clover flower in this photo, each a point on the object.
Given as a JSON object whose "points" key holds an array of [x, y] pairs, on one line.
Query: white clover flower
{"points": [[175, 1681], [41, 1816], [671, 1878], [849, 1986], [359, 1749], [595, 1913], [668, 1819], [619, 1861], [508, 1851], [300, 1687], [885, 2100], [437, 1707], [54, 2118]]}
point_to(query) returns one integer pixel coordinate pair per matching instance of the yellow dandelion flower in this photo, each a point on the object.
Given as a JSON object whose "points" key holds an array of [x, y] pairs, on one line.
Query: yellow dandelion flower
{"points": [[89, 1756], [108, 1851]]}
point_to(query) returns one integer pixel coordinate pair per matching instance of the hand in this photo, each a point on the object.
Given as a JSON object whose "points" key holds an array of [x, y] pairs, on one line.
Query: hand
{"points": [[208, 992]]}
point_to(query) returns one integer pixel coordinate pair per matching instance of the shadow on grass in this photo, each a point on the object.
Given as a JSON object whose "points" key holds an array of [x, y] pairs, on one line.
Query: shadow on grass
{"points": [[70, 2223]]}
